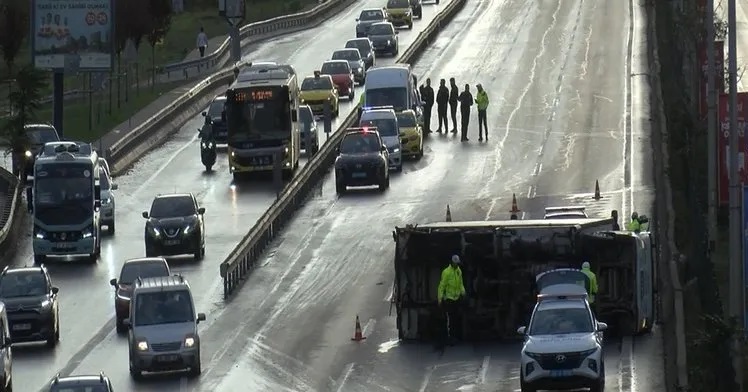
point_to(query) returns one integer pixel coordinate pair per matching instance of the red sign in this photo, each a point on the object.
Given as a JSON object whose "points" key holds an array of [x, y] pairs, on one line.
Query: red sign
{"points": [[719, 81], [723, 143]]}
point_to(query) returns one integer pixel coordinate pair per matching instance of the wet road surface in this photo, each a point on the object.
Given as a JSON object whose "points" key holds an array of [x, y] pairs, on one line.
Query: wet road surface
{"points": [[231, 210], [557, 75]]}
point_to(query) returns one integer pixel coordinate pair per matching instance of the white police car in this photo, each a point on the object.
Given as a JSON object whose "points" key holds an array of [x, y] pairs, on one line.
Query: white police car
{"points": [[563, 347]]}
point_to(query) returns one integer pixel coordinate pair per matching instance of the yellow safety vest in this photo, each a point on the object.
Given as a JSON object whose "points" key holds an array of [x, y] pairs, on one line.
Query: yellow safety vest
{"points": [[451, 285], [593, 284]]}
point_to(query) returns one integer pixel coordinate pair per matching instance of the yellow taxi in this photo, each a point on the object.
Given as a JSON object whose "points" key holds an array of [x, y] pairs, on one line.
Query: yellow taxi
{"points": [[399, 13], [315, 90], [411, 134]]}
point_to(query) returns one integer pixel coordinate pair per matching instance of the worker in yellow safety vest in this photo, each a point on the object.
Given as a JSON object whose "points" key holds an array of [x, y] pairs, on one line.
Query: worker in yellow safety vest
{"points": [[634, 225], [449, 294], [592, 289]]}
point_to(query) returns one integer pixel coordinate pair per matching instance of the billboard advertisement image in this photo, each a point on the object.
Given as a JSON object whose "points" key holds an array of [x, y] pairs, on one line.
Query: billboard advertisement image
{"points": [[62, 30]]}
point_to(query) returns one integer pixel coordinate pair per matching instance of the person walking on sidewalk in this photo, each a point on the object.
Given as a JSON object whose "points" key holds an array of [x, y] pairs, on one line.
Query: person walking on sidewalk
{"points": [[202, 42]]}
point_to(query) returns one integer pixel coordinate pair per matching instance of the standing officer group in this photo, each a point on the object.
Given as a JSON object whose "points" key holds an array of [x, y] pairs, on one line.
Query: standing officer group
{"points": [[452, 97]]}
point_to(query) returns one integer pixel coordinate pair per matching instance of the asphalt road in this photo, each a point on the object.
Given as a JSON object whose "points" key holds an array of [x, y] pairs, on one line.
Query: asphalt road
{"points": [[557, 73], [88, 342]]}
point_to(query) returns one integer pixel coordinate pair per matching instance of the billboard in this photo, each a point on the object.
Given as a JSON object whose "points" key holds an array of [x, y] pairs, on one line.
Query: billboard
{"points": [[719, 60], [63, 31], [723, 143]]}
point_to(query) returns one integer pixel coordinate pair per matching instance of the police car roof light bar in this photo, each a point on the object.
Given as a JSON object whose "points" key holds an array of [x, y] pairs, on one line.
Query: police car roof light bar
{"points": [[361, 129], [378, 108]]}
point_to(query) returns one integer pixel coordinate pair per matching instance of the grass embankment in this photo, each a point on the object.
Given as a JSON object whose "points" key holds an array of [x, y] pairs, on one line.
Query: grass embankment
{"points": [[178, 43]]}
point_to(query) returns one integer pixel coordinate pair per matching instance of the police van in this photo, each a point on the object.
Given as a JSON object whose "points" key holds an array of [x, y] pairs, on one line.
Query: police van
{"points": [[394, 85]]}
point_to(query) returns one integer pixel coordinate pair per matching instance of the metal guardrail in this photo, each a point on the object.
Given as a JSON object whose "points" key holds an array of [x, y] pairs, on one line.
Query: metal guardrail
{"points": [[9, 212], [242, 259]]}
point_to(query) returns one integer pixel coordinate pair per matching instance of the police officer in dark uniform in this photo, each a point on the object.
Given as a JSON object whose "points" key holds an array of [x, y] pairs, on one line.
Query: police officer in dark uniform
{"points": [[427, 94], [442, 98], [466, 101], [454, 94]]}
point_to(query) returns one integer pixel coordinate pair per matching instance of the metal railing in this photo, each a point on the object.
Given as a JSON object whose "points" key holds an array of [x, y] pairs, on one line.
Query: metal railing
{"points": [[242, 259]]}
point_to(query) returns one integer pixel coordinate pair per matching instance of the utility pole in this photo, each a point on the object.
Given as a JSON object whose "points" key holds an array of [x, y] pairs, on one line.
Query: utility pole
{"points": [[234, 11], [711, 126], [736, 262]]}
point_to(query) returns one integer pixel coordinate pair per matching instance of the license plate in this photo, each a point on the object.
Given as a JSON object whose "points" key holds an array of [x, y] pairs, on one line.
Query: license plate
{"points": [[560, 373], [21, 327], [171, 242], [359, 175], [167, 358], [64, 245]]}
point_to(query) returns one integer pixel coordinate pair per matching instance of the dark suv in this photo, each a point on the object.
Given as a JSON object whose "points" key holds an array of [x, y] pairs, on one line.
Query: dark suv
{"points": [[175, 226], [31, 304], [148, 267], [91, 383], [362, 160], [214, 118]]}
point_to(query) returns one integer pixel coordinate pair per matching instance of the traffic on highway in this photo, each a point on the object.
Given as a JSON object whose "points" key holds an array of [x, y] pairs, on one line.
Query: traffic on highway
{"points": [[88, 308]]}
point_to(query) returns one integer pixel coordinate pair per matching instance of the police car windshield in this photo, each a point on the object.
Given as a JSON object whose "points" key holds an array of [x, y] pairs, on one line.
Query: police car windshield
{"points": [[406, 120], [23, 284], [335, 68], [316, 84], [386, 127], [559, 321], [81, 388], [371, 15], [41, 135], [216, 107], [172, 207], [361, 143], [348, 54], [382, 29], [131, 271], [163, 307]]}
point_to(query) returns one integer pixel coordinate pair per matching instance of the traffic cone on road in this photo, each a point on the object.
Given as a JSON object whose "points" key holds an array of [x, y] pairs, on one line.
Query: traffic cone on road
{"points": [[597, 191], [358, 335], [448, 218], [514, 209]]}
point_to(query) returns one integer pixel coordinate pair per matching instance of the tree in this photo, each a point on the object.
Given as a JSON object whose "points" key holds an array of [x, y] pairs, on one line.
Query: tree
{"points": [[160, 21], [14, 27], [25, 100]]}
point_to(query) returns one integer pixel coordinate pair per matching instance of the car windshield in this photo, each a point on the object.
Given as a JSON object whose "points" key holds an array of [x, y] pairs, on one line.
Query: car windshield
{"points": [[316, 84], [385, 126], [406, 120], [348, 55], [361, 143], [398, 4], [131, 271], [23, 284], [80, 388], [371, 15], [163, 307], [335, 68], [382, 29], [397, 97], [362, 46], [172, 207], [558, 321], [216, 107], [41, 135]]}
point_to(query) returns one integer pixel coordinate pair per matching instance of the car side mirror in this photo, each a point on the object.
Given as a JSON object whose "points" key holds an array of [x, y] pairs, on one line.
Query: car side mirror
{"points": [[113, 282], [356, 19], [115, 187], [126, 323], [397, 32], [145, 214], [200, 317], [601, 326], [55, 290], [204, 114], [521, 330], [201, 210], [384, 148]]}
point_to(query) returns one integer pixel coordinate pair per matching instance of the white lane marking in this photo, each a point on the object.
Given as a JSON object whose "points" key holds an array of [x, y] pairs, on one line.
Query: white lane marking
{"points": [[346, 374], [368, 327], [484, 370], [163, 165], [625, 374], [427, 379], [491, 206]]}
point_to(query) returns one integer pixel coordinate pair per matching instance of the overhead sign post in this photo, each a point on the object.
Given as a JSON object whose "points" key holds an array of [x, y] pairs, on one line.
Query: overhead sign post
{"points": [[68, 36], [234, 11]]}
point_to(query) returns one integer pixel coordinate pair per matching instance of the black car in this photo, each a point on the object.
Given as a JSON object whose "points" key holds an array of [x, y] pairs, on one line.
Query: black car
{"points": [[175, 226], [308, 126], [100, 383], [37, 135], [365, 48], [31, 304], [384, 38], [214, 118], [368, 17], [132, 269], [362, 160], [417, 7]]}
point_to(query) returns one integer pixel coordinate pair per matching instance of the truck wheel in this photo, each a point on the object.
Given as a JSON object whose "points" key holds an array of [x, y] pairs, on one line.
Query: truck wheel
{"points": [[121, 328], [351, 95], [135, 373], [410, 26], [111, 228], [340, 187]]}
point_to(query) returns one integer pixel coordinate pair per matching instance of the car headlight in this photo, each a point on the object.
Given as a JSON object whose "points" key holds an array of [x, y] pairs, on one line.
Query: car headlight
{"points": [[207, 145], [39, 233], [389, 42], [154, 231], [532, 355], [189, 341], [360, 69], [286, 150], [395, 150], [142, 345], [189, 228], [589, 352], [28, 154], [233, 154], [46, 304], [88, 232], [106, 201], [303, 100]]}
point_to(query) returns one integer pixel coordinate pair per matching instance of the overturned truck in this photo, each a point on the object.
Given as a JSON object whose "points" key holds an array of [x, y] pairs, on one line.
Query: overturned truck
{"points": [[500, 263]]}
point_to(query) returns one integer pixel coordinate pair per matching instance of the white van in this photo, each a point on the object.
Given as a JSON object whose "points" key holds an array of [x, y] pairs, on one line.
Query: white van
{"points": [[394, 85]]}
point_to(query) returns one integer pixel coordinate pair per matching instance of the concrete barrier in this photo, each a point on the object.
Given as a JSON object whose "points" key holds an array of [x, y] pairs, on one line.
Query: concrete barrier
{"points": [[241, 260], [11, 216]]}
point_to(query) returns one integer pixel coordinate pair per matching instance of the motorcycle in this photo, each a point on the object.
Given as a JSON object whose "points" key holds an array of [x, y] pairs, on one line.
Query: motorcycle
{"points": [[208, 151]]}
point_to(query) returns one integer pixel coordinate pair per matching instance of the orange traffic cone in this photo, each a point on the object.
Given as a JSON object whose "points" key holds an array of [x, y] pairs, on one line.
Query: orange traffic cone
{"points": [[597, 191], [448, 218], [514, 209], [358, 335]]}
